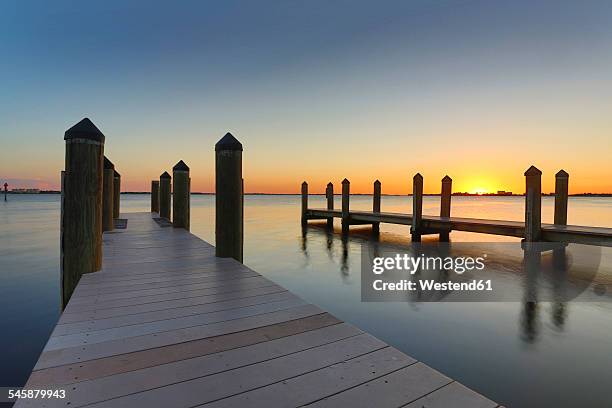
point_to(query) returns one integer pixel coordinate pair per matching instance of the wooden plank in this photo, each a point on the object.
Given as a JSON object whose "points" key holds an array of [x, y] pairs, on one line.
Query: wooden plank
{"points": [[115, 386], [132, 319], [172, 295], [225, 384], [108, 297], [453, 395], [309, 387], [391, 390], [100, 314], [177, 323], [102, 367], [52, 358]]}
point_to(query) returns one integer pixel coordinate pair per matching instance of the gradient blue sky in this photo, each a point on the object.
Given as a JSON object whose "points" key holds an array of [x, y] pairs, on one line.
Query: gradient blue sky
{"points": [[316, 90]]}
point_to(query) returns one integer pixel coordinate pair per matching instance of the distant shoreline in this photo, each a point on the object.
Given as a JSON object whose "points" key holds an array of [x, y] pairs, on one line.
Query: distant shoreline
{"points": [[353, 194]]}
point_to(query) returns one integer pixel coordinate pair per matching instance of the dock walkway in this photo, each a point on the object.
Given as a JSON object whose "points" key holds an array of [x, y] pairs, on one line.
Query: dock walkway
{"points": [[165, 323]]}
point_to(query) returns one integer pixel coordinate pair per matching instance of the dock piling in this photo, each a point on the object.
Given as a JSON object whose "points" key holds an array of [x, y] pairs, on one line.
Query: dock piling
{"points": [[329, 194], [561, 194], [181, 186], [445, 204], [304, 202], [5, 191], [165, 195], [533, 204], [116, 194], [81, 212], [417, 207], [155, 196], [376, 206], [108, 190], [346, 195], [229, 198]]}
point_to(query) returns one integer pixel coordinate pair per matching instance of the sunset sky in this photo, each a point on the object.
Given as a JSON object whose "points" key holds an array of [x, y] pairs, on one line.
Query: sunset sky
{"points": [[315, 90]]}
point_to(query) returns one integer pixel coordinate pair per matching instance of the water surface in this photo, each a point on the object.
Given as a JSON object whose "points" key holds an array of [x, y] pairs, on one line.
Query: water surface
{"points": [[515, 355]]}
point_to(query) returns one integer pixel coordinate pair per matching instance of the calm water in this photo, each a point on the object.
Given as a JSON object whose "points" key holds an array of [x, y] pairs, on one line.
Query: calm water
{"points": [[546, 361]]}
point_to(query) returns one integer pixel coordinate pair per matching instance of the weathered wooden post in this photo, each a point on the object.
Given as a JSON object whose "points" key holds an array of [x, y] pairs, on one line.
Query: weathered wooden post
{"points": [[533, 204], [346, 195], [116, 195], [165, 195], [329, 194], [417, 207], [81, 213], [445, 204], [561, 194], [376, 206], [108, 191], [181, 184], [155, 196], [5, 191], [229, 198], [304, 202]]}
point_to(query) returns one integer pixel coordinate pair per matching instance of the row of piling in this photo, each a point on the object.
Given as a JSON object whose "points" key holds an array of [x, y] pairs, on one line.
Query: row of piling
{"points": [[90, 202], [533, 204]]}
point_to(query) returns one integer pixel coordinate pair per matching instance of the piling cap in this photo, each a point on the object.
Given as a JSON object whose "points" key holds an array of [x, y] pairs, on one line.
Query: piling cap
{"points": [[446, 179], [533, 171], [85, 129], [345, 181], [108, 164], [562, 174], [330, 184], [181, 166], [165, 175], [117, 175], [228, 142], [377, 181], [418, 175]]}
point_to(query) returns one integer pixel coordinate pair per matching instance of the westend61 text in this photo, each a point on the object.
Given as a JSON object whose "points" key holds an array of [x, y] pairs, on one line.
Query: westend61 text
{"points": [[430, 284]]}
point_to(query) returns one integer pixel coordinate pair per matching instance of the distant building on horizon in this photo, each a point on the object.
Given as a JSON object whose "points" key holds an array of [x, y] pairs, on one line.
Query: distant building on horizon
{"points": [[25, 191]]}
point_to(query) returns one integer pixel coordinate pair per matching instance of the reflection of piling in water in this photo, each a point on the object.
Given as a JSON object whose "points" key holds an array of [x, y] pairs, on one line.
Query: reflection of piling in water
{"points": [[532, 263], [559, 265]]}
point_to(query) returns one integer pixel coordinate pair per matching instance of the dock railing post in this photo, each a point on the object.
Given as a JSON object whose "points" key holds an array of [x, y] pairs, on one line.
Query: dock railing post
{"points": [[304, 202], [346, 195], [229, 198], [81, 212], [417, 207], [155, 196], [116, 195], [329, 194], [533, 204], [181, 184], [445, 204], [108, 191], [165, 195], [376, 206], [561, 196]]}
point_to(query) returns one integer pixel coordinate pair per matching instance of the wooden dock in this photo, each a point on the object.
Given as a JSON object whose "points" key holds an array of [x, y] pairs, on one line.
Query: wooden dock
{"points": [[165, 323], [435, 224], [531, 229]]}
